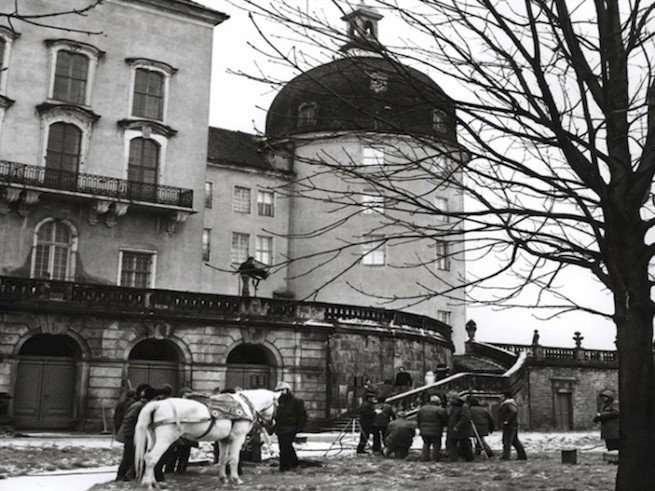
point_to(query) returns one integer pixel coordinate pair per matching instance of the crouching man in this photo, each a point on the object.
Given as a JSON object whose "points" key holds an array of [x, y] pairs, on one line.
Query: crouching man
{"points": [[400, 434]]}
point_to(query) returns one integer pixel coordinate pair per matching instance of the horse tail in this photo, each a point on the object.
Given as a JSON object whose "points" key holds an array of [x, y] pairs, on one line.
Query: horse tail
{"points": [[144, 436]]}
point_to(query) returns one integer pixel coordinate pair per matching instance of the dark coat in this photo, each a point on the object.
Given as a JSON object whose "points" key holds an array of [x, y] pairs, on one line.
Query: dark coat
{"points": [[290, 416], [126, 432], [120, 410], [431, 419], [483, 420], [459, 422], [367, 415], [403, 379], [384, 415], [508, 413], [609, 421], [400, 434]]}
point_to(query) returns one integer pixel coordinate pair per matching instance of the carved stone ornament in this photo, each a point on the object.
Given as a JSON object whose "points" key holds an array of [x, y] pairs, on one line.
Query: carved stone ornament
{"points": [[7, 197], [115, 211], [175, 219], [253, 334], [156, 329], [98, 207], [28, 198]]}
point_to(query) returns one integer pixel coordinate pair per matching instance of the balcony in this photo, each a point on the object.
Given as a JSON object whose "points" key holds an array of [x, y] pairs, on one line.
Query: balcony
{"points": [[48, 296], [24, 183]]}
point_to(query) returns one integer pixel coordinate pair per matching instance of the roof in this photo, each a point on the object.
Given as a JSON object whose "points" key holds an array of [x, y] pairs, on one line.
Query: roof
{"points": [[362, 93], [189, 8], [237, 148]]}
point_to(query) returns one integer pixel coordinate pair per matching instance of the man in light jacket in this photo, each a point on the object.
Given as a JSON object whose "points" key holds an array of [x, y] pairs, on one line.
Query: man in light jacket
{"points": [[508, 416]]}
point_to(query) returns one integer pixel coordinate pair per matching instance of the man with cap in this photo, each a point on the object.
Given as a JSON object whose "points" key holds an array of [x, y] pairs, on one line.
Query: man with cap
{"points": [[400, 434], [508, 413], [460, 430], [431, 419], [608, 417], [290, 418]]}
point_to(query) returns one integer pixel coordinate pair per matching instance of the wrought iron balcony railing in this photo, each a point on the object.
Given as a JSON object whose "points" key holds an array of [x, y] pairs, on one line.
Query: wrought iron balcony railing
{"points": [[111, 187], [33, 294]]}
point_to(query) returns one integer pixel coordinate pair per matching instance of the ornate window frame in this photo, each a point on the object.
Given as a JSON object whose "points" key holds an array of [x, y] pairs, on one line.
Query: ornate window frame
{"points": [[155, 66], [144, 132], [8, 36], [307, 114], [91, 52], [72, 254], [151, 252]]}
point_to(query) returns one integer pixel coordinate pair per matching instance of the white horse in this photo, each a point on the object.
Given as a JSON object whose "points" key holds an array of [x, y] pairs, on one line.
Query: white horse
{"points": [[162, 422]]}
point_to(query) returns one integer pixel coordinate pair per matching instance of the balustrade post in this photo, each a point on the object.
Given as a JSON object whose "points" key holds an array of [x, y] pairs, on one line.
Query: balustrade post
{"points": [[578, 350]]}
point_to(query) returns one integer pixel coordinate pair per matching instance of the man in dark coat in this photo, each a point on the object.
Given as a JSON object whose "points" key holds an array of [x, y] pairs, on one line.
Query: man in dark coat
{"points": [[508, 417], [383, 416], [367, 425], [290, 418], [125, 433], [121, 408], [400, 434], [608, 417], [431, 419], [459, 430], [484, 424]]}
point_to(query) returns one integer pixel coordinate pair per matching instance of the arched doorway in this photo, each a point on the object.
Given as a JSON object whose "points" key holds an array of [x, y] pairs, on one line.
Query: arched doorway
{"points": [[250, 366], [155, 362], [44, 393]]}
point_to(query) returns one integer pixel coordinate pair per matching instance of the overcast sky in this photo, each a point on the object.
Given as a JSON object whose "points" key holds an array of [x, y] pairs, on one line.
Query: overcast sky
{"points": [[239, 104]]}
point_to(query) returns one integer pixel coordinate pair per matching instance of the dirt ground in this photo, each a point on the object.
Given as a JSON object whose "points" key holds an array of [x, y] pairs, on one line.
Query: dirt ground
{"points": [[543, 471], [19, 461]]}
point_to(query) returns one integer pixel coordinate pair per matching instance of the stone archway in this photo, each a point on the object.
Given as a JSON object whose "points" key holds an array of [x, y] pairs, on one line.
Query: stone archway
{"points": [[250, 366], [46, 378], [155, 362]]}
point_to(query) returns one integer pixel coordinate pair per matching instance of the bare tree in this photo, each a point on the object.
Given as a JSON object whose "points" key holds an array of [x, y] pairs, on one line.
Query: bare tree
{"points": [[18, 12], [556, 126]]}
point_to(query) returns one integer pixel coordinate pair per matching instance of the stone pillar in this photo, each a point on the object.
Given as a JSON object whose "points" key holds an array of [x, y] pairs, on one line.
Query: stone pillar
{"points": [[579, 351]]}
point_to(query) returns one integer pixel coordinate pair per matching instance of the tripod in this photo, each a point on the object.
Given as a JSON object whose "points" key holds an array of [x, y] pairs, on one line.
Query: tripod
{"points": [[354, 424]]}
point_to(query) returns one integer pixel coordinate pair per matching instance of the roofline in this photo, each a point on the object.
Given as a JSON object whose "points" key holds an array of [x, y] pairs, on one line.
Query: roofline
{"points": [[188, 8]]}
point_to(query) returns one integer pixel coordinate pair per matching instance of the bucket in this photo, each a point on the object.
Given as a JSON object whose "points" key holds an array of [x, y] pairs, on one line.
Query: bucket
{"points": [[570, 456]]}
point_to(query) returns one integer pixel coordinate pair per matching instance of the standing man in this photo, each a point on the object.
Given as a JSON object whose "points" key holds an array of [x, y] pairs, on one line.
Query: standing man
{"points": [[290, 419], [367, 424], [383, 416], [484, 424], [125, 434], [431, 419], [460, 431], [403, 380], [608, 417], [508, 413], [122, 407]]}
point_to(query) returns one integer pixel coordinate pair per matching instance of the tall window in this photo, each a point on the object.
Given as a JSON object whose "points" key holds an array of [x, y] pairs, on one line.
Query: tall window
{"points": [[264, 249], [265, 203], [441, 204], [206, 244], [372, 156], [443, 259], [64, 145], [148, 99], [373, 251], [307, 114], [240, 247], [443, 316], [137, 269], [372, 202], [52, 255], [209, 195], [71, 72], [143, 165], [241, 200]]}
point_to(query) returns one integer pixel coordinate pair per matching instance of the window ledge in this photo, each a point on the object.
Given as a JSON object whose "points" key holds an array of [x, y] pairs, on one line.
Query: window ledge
{"points": [[141, 124], [5, 102]]}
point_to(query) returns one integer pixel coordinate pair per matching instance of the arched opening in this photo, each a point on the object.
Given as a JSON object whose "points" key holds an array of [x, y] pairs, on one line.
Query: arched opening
{"points": [[155, 362], [47, 372], [250, 366]]}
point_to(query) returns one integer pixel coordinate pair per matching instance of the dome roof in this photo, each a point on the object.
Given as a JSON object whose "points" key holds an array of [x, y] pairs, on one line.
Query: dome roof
{"points": [[362, 94]]}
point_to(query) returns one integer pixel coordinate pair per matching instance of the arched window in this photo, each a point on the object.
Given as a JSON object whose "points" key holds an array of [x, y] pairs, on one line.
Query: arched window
{"points": [[64, 146], [71, 73], [143, 164], [307, 112], [53, 251]]}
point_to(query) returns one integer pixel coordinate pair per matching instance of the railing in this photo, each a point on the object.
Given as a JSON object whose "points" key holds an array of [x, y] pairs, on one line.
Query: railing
{"points": [[38, 293], [557, 353], [468, 382], [111, 187], [493, 352]]}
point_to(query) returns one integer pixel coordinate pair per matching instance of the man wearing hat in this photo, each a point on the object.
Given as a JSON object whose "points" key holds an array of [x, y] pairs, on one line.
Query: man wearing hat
{"points": [[431, 419], [290, 418], [608, 417]]}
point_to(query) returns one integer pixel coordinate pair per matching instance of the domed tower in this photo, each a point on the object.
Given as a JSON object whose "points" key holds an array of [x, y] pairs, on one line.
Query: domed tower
{"points": [[344, 128]]}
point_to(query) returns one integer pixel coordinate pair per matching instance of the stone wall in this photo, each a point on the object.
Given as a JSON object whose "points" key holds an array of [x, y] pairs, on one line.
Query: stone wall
{"points": [[584, 384]]}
